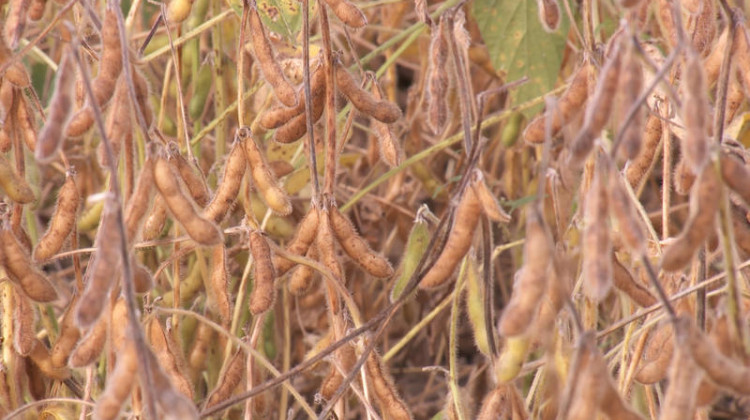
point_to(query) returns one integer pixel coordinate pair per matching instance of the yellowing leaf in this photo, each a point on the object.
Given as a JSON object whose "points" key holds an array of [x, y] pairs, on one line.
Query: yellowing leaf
{"points": [[519, 45]]}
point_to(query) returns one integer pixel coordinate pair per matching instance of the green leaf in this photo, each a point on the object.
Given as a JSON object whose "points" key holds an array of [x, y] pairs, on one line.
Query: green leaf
{"points": [[283, 16], [519, 45]]}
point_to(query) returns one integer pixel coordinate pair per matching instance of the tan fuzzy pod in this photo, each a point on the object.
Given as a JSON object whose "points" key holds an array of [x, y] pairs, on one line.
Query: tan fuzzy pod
{"points": [[119, 385], [629, 89], [490, 206], [263, 178], [720, 369], [684, 379], [458, 243], [228, 189], [295, 128], [704, 204], [202, 230], [736, 175], [569, 105], [118, 125], [301, 278], [531, 282], [611, 403], [103, 86], [382, 386], [41, 357], [155, 220], [303, 238], [345, 358], [36, 9], [200, 345], [90, 346], [683, 177], [657, 355], [218, 287], [585, 391], [141, 95], [268, 64], [68, 337], [348, 13], [363, 100], [695, 113], [264, 291], [276, 117], [14, 185], [229, 380], [24, 318], [623, 211], [549, 14], [597, 244], [326, 246], [638, 166], [712, 62], [60, 108], [356, 247], [599, 108], [18, 266], [102, 270], [169, 357], [140, 200], [438, 81], [62, 222], [390, 149], [193, 181], [15, 22], [26, 124], [624, 281], [143, 281], [503, 402]]}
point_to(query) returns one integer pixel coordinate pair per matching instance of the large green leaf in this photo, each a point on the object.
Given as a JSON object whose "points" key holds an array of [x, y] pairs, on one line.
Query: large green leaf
{"points": [[519, 46]]}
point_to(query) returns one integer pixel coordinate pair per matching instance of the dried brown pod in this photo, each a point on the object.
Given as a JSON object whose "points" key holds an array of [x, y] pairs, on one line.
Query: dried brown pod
{"points": [[348, 13], [585, 392], [684, 177], [720, 369], [611, 403], [303, 238], [200, 345], [503, 402], [629, 89], [268, 63], [326, 246], [62, 221], [21, 271], [102, 270], [264, 291], [695, 114], [14, 185], [596, 242], [390, 149], [363, 100], [438, 81], [296, 127], [356, 247], [25, 123], [68, 337], [638, 166], [60, 109], [736, 175], [140, 200], [624, 281], [155, 220], [382, 386], [119, 385], [200, 229], [459, 240], [704, 204], [265, 181], [218, 285], [276, 117], [600, 107], [15, 21], [345, 359], [36, 9], [141, 95], [143, 281], [24, 319], [169, 357], [90, 346], [41, 357], [118, 125], [623, 211], [229, 380], [301, 278], [531, 281], [228, 189], [103, 86], [194, 182], [490, 206], [657, 355], [568, 106], [684, 379], [549, 14]]}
